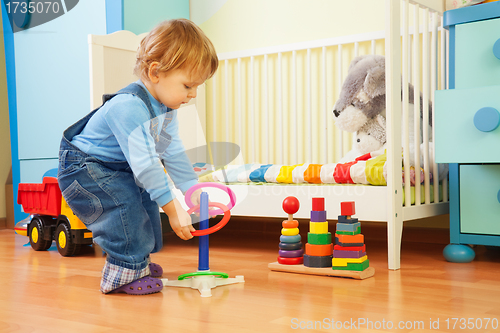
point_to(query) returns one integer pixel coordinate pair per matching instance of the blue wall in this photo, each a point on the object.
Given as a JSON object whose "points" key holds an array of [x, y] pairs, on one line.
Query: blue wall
{"points": [[142, 16], [48, 86], [48, 75]]}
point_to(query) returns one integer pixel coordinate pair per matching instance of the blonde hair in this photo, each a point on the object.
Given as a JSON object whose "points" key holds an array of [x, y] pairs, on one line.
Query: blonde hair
{"points": [[176, 44]]}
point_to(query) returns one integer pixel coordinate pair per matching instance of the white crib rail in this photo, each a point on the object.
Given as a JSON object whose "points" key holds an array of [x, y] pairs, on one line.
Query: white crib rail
{"points": [[320, 64], [276, 102], [393, 125], [423, 65], [419, 63]]}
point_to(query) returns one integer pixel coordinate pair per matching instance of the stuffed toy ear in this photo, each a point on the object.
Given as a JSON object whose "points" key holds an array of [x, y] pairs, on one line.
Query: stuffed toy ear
{"points": [[374, 84], [381, 121], [355, 61]]}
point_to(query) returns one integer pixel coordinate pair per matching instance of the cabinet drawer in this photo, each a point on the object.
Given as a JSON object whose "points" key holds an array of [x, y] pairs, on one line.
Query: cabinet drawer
{"points": [[457, 139], [479, 205], [476, 64]]}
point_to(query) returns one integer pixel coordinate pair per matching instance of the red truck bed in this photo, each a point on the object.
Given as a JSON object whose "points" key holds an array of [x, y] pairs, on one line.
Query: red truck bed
{"points": [[42, 199]]}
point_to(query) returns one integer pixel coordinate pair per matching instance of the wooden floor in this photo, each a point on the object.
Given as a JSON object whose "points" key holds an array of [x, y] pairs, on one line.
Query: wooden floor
{"points": [[44, 292]]}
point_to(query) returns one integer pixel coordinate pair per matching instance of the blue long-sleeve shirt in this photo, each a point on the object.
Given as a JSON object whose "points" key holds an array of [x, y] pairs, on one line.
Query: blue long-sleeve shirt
{"points": [[120, 131]]}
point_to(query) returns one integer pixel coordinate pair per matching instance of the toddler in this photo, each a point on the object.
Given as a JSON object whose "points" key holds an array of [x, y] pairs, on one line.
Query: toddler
{"points": [[111, 162]]}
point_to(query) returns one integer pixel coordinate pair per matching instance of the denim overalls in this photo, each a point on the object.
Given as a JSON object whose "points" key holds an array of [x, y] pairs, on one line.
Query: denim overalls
{"points": [[123, 219]]}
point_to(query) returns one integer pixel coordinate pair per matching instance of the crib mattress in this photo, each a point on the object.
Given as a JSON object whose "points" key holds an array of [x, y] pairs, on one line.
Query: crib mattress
{"points": [[368, 169]]}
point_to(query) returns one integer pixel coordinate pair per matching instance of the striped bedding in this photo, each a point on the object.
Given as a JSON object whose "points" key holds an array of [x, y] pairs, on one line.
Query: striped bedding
{"points": [[368, 169]]}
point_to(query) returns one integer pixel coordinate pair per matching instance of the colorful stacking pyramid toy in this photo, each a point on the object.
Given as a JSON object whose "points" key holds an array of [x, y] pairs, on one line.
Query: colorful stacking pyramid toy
{"points": [[348, 256], [290, 252], [319, 247], [349, 252]]}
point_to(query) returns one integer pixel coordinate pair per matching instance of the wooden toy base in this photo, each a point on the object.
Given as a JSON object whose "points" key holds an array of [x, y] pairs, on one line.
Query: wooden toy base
{"points": [[327, 271]]}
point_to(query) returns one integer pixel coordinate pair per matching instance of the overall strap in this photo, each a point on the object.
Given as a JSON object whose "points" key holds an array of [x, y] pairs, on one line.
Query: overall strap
{"points": [[162, 139], [136, 90]]}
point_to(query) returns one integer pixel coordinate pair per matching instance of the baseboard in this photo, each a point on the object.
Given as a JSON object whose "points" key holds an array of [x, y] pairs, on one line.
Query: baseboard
{"points": [[3, 223], [371, 230]]}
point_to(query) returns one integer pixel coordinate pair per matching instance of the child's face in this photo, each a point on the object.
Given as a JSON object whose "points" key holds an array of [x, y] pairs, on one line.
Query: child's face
{"points": [[175, 87]]}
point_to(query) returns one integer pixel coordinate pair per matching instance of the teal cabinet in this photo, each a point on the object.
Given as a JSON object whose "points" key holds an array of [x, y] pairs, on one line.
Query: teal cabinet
{"points": [[476, 63], [480, 207], [467, 133], [458, 140]]}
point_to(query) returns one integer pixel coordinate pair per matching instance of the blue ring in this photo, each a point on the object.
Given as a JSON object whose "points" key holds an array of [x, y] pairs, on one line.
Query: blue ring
{"points": [[290, 239]]}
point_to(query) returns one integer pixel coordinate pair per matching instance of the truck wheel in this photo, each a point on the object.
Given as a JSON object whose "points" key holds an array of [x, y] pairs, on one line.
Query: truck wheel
{"points": [[65, 244], [36, 235]]}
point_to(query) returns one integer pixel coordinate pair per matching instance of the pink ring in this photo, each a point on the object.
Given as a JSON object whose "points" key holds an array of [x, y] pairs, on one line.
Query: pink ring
{"points": [[232, 196]]}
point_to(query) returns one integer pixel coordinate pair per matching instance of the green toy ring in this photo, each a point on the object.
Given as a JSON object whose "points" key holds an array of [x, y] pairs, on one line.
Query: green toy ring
{"points": [[188, 275]]}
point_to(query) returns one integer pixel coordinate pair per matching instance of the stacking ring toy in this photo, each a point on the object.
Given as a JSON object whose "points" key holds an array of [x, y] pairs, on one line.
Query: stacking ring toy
{"points": [[218, 226], [189, 275], [232, 196]]}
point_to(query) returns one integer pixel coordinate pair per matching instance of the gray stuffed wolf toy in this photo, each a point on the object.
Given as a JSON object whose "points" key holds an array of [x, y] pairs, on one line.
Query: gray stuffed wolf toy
{"points": [[362, 98]]}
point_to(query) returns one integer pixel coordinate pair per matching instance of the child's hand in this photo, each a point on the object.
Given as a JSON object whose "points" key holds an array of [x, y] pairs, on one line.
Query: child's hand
{"points": [[179, 219], [195, 197]]}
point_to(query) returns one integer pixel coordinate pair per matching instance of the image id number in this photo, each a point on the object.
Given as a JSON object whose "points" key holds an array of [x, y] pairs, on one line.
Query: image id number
{"points": [[471, 323], [39, 7]]}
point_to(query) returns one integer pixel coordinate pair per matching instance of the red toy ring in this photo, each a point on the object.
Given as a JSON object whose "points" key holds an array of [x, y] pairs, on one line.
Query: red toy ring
{"points": [[218, 226]]}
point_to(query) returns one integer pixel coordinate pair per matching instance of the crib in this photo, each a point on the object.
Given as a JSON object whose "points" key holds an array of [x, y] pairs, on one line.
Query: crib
{"points": [[275, 104]]}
